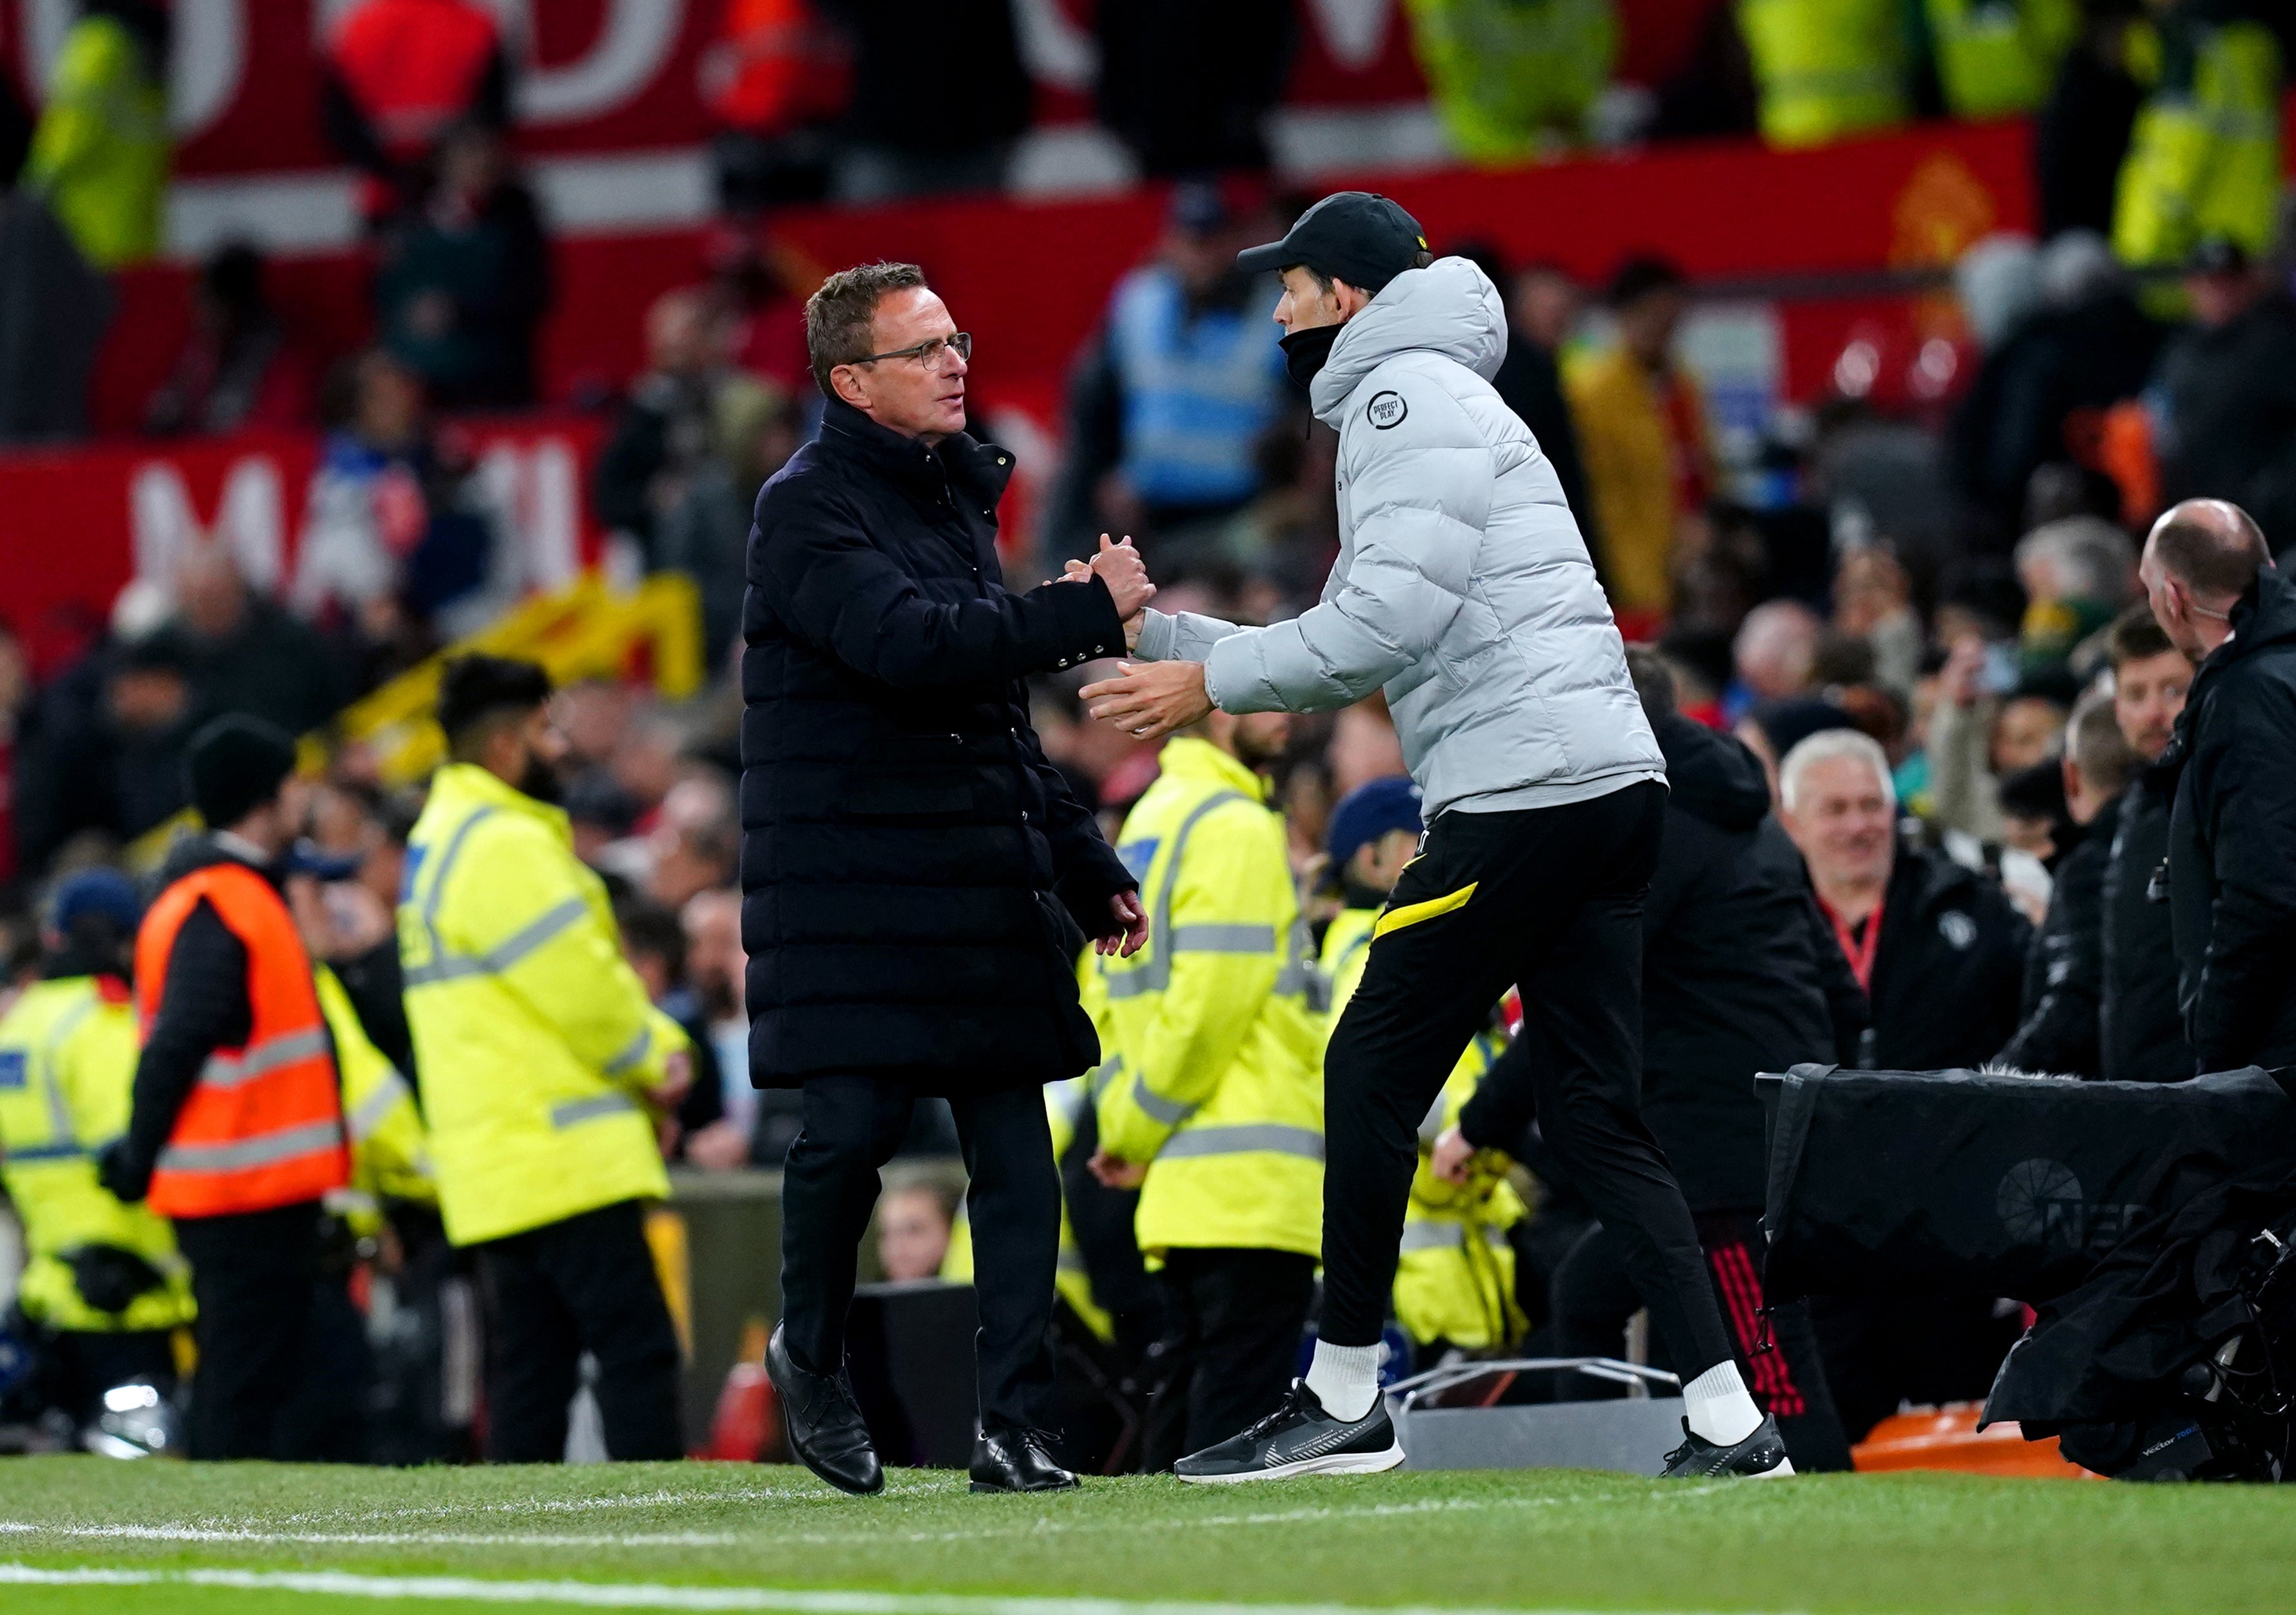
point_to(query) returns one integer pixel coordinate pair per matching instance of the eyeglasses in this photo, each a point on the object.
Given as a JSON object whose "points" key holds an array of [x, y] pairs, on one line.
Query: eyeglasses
{"points": [[928, 353]]}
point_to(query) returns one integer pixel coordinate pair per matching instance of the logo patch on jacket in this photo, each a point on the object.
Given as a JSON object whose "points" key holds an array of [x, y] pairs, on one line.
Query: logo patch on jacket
{"points": [[1957, 928], [1387, 409], [12, 1068]]}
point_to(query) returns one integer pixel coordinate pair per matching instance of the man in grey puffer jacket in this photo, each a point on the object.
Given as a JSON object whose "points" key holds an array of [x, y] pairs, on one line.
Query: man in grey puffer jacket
{"points": [[1464, 592]]}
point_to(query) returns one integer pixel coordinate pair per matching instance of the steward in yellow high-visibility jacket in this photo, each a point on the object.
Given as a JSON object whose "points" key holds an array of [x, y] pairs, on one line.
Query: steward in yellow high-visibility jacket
{"points": [[102, 151], [1826, 69], [1511, 77], [103, 1277], [1220, 1091], [543, 1066], [1996, 58], [2204, 156], [390, 1157]]}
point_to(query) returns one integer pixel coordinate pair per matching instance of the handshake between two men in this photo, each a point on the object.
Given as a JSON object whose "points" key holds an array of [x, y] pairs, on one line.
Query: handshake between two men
{"points": [[1149, 699]]}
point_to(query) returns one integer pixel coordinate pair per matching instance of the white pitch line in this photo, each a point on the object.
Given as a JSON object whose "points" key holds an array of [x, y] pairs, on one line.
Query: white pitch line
{"points": [[248, 1536], [650, 1596]]}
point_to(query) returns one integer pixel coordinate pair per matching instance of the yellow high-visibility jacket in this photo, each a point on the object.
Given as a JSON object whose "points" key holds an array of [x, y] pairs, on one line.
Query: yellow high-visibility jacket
{"points": [[1999, 57], [390, 1158], [1826, 69], [1454, 1279], [102, 151], [1508, 76], [534, 1039], [1064, 1102], [2204, 156], [1216, 1023], [68, 1050]]}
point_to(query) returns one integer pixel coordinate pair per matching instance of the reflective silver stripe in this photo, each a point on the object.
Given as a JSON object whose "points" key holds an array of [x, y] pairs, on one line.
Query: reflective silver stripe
{"points": [[1273, 1137], [1171, 1112], [65, 1136], [589, 1109], [632, 1052], [441, 968], [47, 1151], [1070, 1098], [260, 1058], [1447, 1236], [377, 1106], [449, 967], [1301, 975], [1223, 939], [1155, 974], [261, 1150], [1071, 1261], [1107, 1071]]}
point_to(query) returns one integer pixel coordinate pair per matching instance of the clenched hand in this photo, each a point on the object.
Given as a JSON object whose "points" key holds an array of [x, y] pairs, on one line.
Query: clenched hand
{"points": [[1120, 568]]}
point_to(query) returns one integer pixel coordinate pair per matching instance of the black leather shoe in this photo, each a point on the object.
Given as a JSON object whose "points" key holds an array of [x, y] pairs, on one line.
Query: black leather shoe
{"points": [[825, 1430], [1017, 1461]]}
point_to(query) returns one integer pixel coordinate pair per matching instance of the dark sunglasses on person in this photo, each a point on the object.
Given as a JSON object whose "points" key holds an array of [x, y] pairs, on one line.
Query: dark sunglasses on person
{"points": [[929, 352]]}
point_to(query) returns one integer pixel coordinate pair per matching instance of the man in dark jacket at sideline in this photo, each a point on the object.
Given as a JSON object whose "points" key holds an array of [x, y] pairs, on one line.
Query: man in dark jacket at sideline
{"points": [[1940, 950], [2064, 973], [2140, 1027], [2232, 834], [1736, 967], [918, 879]]}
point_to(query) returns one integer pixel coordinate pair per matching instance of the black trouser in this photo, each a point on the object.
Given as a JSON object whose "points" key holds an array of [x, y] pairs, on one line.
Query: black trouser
{"points": [[1555, 907], [853, 1126], [255, 1277], [1235, 1321], [1882, 1350], [1594, 1298], [550, 1294]]}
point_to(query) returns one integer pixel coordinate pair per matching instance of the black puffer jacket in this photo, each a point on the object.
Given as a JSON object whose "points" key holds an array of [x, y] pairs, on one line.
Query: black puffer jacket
{"points": [[2232, 838], [2140, 1025], [1949, 969], [2065, 972], [903, 836]]}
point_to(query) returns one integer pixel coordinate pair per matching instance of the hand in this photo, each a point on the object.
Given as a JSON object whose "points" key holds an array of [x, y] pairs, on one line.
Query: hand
{"points": [[1957, 680], [1131, 926], [1078, 572], [1116, 1174], [1151, 700], [1120, 568], [720, 1147], [125, 1179], [1453, 1155], [677, 1079]]}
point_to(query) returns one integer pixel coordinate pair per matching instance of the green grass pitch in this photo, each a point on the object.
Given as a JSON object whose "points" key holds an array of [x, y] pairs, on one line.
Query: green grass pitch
{"points": [[83, 1535]]}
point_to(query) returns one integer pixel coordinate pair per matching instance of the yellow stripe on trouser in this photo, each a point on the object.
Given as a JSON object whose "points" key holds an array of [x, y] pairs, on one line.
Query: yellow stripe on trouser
{"points": [[1411, 913]]}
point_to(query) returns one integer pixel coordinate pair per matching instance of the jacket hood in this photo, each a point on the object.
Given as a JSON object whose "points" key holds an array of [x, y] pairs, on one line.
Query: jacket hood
{"points": [[1713, 776], [1450, 307]]}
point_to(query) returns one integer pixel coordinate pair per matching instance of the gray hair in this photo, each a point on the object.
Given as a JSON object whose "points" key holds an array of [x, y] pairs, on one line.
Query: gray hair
{"points": [[2094, 558], [1824, 747], [841, 318]]}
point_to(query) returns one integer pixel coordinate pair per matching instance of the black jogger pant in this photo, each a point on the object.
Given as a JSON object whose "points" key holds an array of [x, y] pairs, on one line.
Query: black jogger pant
{"points": [[1234, 1320], [1549, 900], [255, 1275], [585, 1283], [1593, 1298], [853, 1124]]}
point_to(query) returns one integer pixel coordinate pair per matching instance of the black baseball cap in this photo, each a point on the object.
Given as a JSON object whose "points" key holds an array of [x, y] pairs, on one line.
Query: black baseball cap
{"points": [[1355, 236]]}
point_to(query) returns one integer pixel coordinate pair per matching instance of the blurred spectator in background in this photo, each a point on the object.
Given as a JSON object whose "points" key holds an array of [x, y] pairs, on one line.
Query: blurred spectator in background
{"points": [[2058, 1026], [237, 368], [913, 1231], [775, 79], [2204, 155], [2231, 881], [756, 287], [653, 943], [117, 768], [1988, 722], [2078, 573], [714, 968], [1939, 949], [404, 545], [1542, 310], [2224, 401], [1642, 427], [1998, 57], [1826, 68], [396, 76], [100, 153], [2083, 346], [243, 653], [1187, 84], [2140, 1027], [1514, 79], [1172, 397], [464, 277], [2082, 132], [1874, 601], [1775, 655], [940, 96]]}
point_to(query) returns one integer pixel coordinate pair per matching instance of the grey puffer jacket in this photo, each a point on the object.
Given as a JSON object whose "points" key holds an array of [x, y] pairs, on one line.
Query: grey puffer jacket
{"points": [[1463, 587]]}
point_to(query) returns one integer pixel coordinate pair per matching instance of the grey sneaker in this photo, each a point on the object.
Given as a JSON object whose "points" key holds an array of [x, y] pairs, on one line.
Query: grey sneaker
{"points": [[1298, 1438], [1760, 1456]]}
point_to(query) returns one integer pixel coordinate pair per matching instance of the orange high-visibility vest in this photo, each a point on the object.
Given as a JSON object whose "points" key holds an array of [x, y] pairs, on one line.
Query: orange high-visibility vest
{"points": [[413, 66], [263, 1126]]}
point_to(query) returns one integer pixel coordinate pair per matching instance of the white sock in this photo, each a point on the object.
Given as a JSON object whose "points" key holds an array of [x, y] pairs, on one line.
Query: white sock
{"points": [[1718, 1408], [1345, 1379]]}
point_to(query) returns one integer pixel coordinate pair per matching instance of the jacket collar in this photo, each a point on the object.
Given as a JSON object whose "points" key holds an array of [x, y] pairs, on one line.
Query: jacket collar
{"points": [[466, 785], [1189, 758], [2264, 616], [919, 469]]}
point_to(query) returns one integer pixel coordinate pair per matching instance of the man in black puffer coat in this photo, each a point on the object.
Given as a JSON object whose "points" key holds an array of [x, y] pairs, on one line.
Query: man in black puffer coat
{"points": [[918, 881], [2140, 1027]]}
